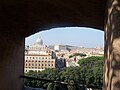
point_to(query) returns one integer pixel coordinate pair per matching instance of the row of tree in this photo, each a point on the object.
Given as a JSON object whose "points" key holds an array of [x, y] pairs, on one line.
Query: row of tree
{"points": [[77, 54], [89, 73]]}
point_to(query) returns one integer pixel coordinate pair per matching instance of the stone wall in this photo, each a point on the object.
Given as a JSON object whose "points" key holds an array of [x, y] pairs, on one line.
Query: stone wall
{"points": [[11, 61]]}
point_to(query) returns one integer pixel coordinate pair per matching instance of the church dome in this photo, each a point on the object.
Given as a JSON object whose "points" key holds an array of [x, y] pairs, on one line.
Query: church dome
{"points": [[39, 41]]}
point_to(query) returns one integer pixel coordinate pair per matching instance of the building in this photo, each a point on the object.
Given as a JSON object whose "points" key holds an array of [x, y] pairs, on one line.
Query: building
{"points": [[62, 47], [38, 57]]}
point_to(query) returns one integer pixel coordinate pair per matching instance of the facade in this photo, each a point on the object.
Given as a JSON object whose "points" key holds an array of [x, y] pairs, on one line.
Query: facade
{"points": [[39, 57], [59, 47]]}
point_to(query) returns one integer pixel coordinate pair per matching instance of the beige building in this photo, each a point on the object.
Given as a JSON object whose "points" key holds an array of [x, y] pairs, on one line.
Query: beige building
{"points": [[38, 57]]}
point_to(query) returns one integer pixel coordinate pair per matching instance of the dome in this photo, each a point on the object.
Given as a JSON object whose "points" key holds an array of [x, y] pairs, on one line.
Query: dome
{"points": [[39, 41]]}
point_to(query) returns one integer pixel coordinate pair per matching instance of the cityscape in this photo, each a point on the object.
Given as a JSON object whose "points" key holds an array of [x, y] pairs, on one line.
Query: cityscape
{"points": [[40, 58]]}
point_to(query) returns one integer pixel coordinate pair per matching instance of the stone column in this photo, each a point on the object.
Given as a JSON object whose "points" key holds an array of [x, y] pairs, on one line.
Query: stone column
{"points": [[112, 46]]}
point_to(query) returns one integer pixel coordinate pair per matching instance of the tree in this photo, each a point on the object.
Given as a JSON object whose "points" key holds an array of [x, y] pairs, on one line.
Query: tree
{"points": [[50, 86], [93, 69], [78, 54]]}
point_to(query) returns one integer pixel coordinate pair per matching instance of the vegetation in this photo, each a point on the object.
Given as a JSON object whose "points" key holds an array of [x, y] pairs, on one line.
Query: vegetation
{"points": [[90, 73], [77, 54], [93, 69]]}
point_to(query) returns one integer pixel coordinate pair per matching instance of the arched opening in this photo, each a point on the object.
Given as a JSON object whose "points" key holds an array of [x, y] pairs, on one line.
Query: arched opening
{"points": [[75, 52], [21, 18]]}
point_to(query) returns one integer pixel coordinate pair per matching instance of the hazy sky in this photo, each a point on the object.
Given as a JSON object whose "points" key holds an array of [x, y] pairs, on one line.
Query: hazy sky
{"points": [[76, 36]]}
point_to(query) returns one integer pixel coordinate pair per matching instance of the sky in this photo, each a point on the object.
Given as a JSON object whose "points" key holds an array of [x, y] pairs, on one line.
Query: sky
{"points": [[75, 36]]}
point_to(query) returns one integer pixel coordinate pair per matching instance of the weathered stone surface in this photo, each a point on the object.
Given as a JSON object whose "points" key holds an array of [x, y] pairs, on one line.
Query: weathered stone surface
{"points": [[112, 47]]}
